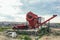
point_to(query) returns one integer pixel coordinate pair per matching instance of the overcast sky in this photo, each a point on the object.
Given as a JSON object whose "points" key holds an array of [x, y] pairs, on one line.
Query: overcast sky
{"points": [[16, 10]]}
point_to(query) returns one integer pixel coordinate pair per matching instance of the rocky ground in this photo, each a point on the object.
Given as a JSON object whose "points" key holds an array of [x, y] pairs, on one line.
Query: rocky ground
{"points": [[2, 37], [50, 37]]}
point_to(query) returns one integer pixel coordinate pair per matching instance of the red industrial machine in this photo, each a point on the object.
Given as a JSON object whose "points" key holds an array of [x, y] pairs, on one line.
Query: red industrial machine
{"points": [[33, 21]]}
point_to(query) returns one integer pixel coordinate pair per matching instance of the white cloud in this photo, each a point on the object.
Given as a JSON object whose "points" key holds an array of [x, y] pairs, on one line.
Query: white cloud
{"points": [[54, 20], [41, 1], [34, 1], [4, 19], [56, 7], [10, 2], [17, 18], [7, 7], [10, 8], [20, 18], [48, 0]]}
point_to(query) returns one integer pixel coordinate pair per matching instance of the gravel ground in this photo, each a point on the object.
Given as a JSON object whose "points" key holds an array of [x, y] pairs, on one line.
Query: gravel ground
{"points": [[51, 37], [3, 37], [43, 38]]}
